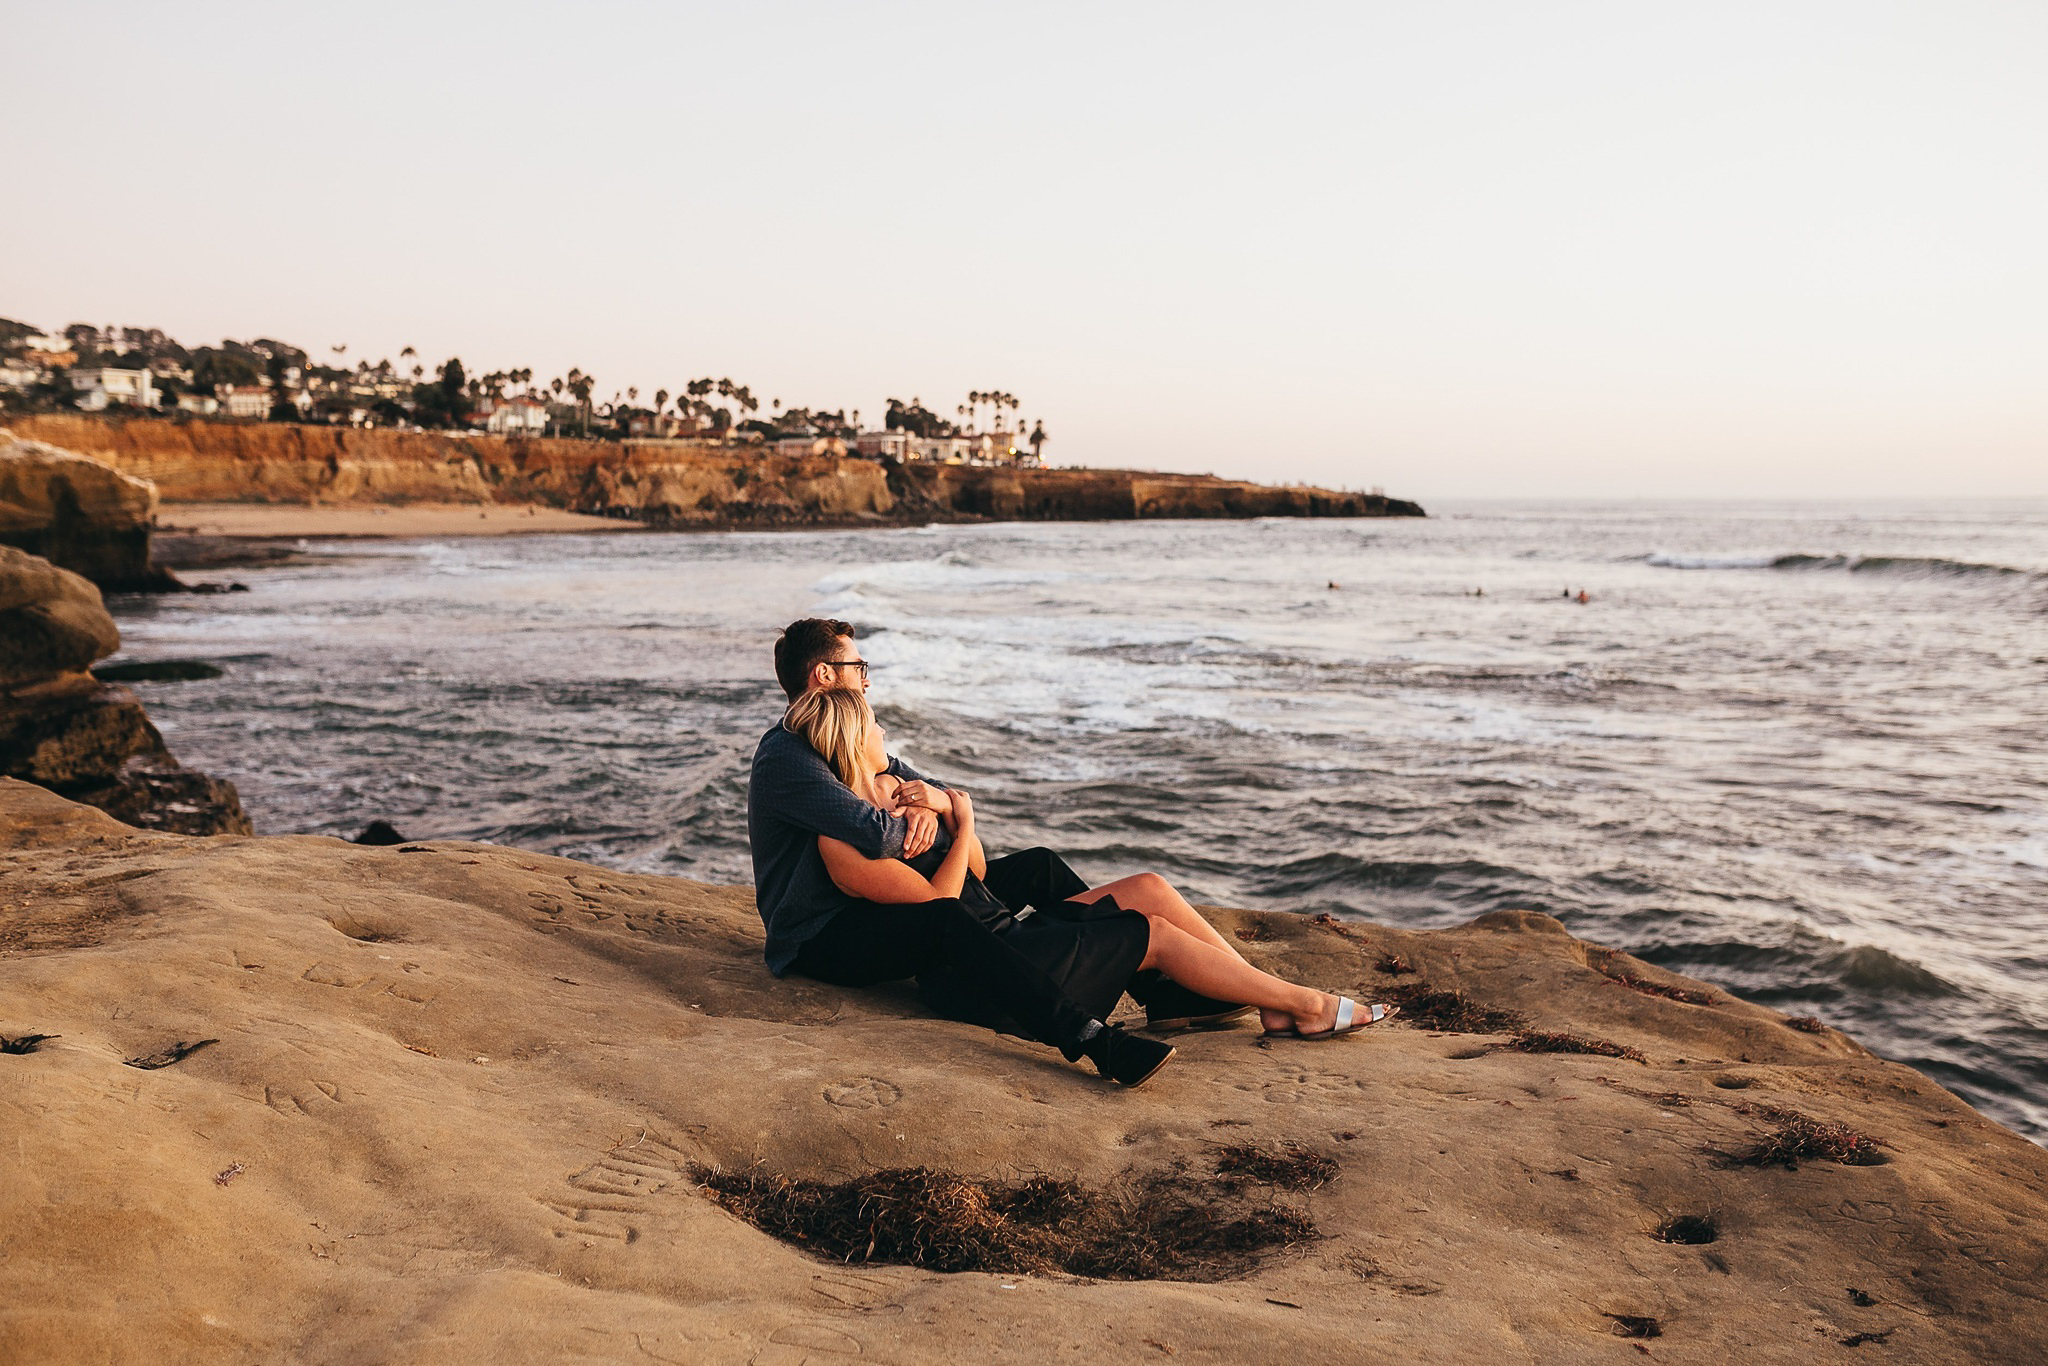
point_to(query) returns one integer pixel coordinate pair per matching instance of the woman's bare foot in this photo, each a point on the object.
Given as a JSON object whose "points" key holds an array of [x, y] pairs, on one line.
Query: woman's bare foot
{"points": [[1323, 1017]]}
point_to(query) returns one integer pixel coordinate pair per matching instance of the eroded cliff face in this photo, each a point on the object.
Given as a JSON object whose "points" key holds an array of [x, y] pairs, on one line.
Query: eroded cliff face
{"points": [[662, 482]]}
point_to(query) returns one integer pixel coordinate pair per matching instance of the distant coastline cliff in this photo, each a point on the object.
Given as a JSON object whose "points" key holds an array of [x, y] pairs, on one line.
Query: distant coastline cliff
{"points": [[664, 483]]}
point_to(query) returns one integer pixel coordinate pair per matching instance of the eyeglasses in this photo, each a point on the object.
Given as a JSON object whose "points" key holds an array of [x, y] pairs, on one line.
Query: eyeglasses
{"points": [[860, 664]]}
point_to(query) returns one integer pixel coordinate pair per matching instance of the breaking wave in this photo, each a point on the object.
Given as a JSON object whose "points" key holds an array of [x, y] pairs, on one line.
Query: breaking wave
{"points": [[1917, 566]]}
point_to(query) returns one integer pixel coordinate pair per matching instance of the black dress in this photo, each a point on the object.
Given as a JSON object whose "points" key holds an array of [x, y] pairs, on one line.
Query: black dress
{"points": [[1091, 950]]}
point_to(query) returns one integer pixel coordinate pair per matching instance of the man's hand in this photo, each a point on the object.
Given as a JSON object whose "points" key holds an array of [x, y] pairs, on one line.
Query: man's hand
{"points": [[923, 829], [922, 793]]}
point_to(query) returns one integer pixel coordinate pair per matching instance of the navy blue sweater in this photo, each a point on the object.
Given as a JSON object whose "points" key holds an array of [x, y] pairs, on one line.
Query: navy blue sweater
{"points": [[793, 796]]}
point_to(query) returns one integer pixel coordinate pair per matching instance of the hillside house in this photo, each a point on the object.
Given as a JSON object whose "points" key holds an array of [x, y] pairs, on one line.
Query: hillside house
{"points": [[244, 400], [21, 374], [516, 416], [96, 389]]}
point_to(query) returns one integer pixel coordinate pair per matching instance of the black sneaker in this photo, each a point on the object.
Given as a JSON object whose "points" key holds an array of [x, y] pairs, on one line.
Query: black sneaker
{"points": [[1169, 1005], [1125, 1058]]}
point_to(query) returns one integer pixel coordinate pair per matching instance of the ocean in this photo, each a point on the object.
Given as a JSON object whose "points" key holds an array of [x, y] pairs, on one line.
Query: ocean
{"points": [[1790, 748]]}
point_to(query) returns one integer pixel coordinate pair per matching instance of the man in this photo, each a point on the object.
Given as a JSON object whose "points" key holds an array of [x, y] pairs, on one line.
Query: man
{"points": [[793, 797]]}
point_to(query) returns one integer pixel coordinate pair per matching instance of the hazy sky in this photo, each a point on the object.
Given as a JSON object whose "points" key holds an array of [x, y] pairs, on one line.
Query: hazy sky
{"points": [[1449, 248]]}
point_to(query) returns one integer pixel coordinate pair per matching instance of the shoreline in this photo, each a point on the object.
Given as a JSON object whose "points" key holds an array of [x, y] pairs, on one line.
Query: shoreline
{"points": [[374, 521]]}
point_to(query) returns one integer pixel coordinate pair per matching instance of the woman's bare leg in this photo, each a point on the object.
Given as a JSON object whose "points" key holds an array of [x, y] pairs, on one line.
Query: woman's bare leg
{"points": [[1154, 897], [1201, 966]]}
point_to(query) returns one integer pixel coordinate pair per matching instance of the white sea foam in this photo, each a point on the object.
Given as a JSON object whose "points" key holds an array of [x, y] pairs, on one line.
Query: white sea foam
{"points": [[1666, 560]]}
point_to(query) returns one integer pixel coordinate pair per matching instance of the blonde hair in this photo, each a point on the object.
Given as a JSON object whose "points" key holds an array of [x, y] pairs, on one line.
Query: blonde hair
{"points": [[836, 721]]}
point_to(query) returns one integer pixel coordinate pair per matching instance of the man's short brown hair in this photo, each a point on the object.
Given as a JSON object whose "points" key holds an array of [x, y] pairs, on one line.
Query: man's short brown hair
{"points": [[802, 646]]}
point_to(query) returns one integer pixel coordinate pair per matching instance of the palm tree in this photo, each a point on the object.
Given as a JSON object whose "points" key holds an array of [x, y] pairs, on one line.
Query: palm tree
{"points": [[580, 385], [660, 401], [1038, 439]]}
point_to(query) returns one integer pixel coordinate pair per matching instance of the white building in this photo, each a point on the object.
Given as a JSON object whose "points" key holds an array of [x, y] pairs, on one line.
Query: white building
{"points": [[206, 405], [244, 400], [16, 374], [98, 388], [992, 448], [518, 416], [883, 445]]}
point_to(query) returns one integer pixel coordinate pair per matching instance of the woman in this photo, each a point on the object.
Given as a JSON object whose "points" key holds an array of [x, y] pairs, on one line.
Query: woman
{"points": [[1137, 923]]}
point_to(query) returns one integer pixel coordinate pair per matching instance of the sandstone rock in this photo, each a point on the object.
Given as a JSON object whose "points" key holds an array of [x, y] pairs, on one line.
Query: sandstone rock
{"points": [[73, 735], [77, 513], [89, 740], [153, 791], [463, 1097], [52, 621]]}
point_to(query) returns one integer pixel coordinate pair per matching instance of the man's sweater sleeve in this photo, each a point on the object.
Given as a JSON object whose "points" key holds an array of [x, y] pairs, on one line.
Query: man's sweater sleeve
{"points": [[799, 789]]}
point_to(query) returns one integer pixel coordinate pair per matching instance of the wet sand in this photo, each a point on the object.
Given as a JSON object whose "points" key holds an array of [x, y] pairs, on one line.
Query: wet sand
{"points": [[264, 521]]}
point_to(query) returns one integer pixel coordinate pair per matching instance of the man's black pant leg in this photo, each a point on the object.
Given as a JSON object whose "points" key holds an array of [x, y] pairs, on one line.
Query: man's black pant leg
{"points": [[869, 943], [1037, 878]]}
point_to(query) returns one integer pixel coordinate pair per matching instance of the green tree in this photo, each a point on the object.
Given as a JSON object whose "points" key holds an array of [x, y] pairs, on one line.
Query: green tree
{"points": [[445, 402]]}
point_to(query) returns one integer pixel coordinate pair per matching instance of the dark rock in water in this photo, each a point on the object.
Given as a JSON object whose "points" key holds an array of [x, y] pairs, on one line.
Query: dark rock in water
{"points": [[379, 833], [154, 792], [84, 737], [157, 671], [184, 551], [93, 742]]}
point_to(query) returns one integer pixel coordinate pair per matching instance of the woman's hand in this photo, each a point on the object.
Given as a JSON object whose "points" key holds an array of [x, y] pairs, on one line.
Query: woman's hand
{"points": [[922, 793], [963, 815]]}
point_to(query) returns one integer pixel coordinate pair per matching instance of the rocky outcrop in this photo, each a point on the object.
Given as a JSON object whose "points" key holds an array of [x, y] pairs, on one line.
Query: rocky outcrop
{"points": [[77, 513], [65, 730], [1117, 495], [666, 483], [449, 1102]]}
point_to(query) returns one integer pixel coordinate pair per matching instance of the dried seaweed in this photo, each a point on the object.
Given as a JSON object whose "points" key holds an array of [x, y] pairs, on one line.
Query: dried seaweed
{"points": [[1394, 965], [24, 1043], [1635, 1325], [1691, 996], [1670, 1100], [1802, 1138], [1161, 1227], [1858, 1339], [1290, 1167], [1806, 1024], [177, 1052], [1545, 1041], [1453, 1012]]}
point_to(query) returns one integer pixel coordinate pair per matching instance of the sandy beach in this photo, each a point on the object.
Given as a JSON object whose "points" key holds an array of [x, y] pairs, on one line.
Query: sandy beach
{"points": [[269, 521]]}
